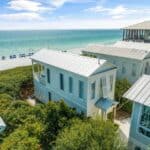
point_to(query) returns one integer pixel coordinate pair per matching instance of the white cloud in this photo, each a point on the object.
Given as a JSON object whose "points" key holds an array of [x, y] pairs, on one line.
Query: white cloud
{"points": [[21, 16], [59, 3], [70, 24], [26, 5], [119, 11]]}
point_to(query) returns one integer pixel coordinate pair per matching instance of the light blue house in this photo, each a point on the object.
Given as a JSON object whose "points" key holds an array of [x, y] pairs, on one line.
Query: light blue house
{"points": [[139, 93], [84, 83], [2, 125], [131, 55]]}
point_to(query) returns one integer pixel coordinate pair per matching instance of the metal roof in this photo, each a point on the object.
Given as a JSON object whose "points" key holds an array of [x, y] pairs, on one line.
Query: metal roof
{"points": [[142, 25], [2, 124], [105, 103], [81, 65], [140, 91], [135, 45], [118, 51]]}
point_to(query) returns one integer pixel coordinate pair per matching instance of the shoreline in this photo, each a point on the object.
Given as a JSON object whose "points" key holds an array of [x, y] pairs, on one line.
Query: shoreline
{"points": [[13, 63]]}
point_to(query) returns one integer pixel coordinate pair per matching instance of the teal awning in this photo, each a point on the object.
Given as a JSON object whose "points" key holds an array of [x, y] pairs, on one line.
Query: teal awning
{"points": [[105, 103]]}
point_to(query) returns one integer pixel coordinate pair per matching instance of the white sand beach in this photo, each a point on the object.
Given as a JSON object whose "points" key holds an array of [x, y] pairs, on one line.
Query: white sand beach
{"points": [[13, 63]]}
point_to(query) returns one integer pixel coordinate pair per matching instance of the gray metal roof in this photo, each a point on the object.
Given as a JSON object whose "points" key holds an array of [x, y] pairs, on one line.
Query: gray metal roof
{"points": [[2, 122], [118, 51], [81, 65], [142, 25], [140, 91], [133, 45]]}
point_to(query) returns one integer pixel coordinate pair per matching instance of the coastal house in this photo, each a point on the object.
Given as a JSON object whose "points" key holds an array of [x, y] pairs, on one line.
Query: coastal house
{"points": [[131, 55], [2, 125], [84, 83], [131, 63], [139, 93]]}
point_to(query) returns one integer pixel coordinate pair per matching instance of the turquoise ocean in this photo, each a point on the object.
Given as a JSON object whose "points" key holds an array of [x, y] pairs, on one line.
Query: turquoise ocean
{"points": [[18, 42]]}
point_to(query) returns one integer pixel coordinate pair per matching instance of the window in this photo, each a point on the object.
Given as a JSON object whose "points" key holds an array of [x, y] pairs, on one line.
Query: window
{"points": [[49, 96], [111, 83], [137, 148], [123, 68], [147, 68], [133, 69], [48, 76], [145, 122], [101, 89], [93, 90], [61, 81], [81, 89], [70, 84], [104, 87]]}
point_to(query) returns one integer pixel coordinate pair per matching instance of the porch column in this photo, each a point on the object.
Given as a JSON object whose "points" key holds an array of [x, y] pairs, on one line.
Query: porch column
{"points": [[123, 34], [104, 115]]}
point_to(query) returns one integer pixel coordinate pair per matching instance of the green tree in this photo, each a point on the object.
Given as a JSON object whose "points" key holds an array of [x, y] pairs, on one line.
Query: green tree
{"points": [[20, 140], [92, 134], [121, 87], [58, 115]]}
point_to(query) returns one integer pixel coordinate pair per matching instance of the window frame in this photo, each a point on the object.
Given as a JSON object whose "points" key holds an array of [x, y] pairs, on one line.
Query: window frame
{"points": [[61, 81], [70, 85], [48, 75], [140, 126], [81, 89], [93, 90]]}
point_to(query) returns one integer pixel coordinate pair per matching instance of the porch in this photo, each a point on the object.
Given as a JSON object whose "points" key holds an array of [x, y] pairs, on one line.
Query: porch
{"points": [[39, 72], [107, 107]]}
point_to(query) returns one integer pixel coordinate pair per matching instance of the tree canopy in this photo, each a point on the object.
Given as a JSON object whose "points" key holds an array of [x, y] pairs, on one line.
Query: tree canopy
{"points": [[92, 134]]}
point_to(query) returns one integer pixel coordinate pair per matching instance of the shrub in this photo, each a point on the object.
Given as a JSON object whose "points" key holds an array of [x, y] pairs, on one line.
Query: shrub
{"points": [[12, 80], [121, 87], [20, 140]]}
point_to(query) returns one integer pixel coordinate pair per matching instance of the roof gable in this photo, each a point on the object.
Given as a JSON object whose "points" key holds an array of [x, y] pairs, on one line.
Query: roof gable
{"points": [[2, 124]]}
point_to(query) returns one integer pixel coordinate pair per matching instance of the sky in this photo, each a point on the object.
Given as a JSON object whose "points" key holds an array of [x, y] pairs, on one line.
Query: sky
{"points": [[72, 14]]}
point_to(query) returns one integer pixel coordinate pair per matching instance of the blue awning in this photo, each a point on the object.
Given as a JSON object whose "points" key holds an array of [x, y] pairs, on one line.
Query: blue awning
{"points": [[105, 103]]}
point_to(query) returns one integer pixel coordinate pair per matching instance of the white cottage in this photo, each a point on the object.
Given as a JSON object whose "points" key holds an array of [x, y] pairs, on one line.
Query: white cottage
{"points": [[2, 125], [84, 83], [139, 93]]}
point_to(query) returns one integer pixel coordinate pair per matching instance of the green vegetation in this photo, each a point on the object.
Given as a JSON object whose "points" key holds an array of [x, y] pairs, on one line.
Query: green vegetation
{"points": [[89, 55], [47, 126], [12, 81], [91, 134], [121, 87]]}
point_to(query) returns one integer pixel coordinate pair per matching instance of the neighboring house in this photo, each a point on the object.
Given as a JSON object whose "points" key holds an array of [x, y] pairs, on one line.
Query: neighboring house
{"points": [[2, 125], [131, 55], [139, 93], [84, 83], [131, 63], [139, 32]]}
